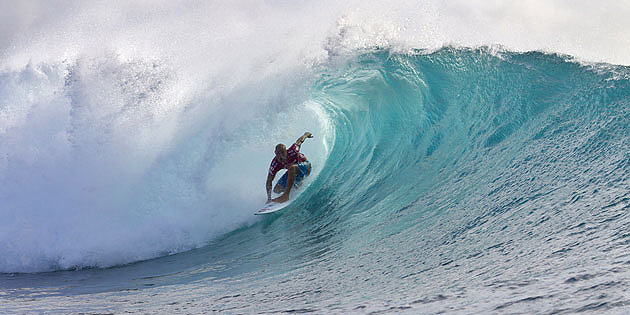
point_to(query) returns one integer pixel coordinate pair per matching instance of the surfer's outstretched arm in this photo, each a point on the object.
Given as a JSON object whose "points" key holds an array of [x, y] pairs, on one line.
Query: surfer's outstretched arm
{"points": [[301, 139]]}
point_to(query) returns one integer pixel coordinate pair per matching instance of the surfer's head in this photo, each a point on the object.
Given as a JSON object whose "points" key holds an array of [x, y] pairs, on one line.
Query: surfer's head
{"points": [[281, 153]]}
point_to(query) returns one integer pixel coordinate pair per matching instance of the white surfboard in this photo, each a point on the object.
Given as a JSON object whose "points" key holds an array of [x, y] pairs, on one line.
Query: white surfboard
{"points": [[272, 207]]}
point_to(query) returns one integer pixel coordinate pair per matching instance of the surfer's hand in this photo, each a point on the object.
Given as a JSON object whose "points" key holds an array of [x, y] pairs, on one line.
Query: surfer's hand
{"points": [[308, 134]]}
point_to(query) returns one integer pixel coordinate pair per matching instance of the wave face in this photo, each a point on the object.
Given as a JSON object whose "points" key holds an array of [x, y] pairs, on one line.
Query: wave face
{"points": [[498, 142]]}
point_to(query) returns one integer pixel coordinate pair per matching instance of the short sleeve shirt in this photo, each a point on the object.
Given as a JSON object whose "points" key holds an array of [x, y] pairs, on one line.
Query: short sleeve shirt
{"points": [[293, 157]]}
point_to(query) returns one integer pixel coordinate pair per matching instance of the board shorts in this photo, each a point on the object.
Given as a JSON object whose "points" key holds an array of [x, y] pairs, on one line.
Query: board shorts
{"points": [[303, 172]]}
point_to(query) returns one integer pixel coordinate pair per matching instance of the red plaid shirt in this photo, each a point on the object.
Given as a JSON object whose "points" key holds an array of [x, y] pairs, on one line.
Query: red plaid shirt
{"points": [[293, 157]]}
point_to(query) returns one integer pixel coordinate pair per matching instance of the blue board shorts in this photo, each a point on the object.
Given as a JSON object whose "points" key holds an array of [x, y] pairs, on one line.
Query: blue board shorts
{"points": [[303, 167]]}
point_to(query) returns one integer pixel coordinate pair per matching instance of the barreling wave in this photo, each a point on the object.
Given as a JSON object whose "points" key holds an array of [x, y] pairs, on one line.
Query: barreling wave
{"points": [[455, 150]]}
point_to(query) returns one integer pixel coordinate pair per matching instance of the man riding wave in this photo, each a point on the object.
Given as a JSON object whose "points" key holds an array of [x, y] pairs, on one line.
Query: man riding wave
{"points": [[297, 167]]}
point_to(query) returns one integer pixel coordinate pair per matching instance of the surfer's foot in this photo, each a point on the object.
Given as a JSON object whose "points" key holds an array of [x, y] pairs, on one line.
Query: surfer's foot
{"points": [[282, 198]]}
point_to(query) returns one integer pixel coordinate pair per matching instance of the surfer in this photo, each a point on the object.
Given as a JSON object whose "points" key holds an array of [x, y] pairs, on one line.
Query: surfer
{"points": [[297, 167]]}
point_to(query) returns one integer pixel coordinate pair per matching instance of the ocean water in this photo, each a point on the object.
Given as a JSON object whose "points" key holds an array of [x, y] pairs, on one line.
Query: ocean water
{"points": [[464, 161]]}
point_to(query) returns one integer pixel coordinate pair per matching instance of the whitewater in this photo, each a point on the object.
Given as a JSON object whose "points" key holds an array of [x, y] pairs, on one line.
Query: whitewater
{"points": [[468, 156]]}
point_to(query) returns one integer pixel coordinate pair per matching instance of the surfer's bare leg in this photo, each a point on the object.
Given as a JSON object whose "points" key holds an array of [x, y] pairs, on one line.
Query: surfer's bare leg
{"points": [[290, 180], [278, 189]]}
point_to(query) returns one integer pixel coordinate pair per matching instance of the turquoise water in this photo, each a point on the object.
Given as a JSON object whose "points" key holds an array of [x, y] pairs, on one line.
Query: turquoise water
{"points": [[459, 180]]}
